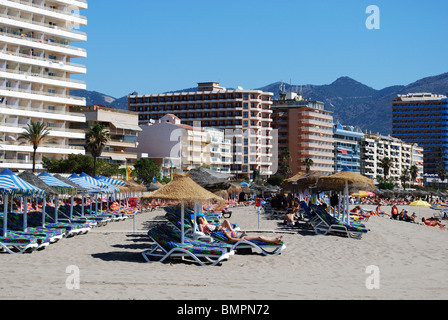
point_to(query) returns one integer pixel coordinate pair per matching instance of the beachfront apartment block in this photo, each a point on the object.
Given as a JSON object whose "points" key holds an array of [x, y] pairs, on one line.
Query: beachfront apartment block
{"points": [[173, 145], [376, 147], [305, 128], [122, 126], [244, 115], [36, 65], [422, 118], [347, 152]]}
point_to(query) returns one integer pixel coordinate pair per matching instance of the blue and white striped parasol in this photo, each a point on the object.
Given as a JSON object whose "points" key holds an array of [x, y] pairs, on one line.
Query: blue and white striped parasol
{"points": [[54, 182], [111, 181], [12, 184], [84, 183], [105, 187]]}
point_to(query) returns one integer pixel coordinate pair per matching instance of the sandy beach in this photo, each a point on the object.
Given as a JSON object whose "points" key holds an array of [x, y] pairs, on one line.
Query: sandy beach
{"points": [[411, 260]]}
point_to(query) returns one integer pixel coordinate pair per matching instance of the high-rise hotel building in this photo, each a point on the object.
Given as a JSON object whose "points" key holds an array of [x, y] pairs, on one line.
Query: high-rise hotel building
{"points": [[36, 66], [244, 115], [422, 118], [305, 128]]}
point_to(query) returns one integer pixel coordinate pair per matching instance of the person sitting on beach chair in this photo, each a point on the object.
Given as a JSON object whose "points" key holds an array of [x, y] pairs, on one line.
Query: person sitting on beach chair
{"points": [[208, 228]]}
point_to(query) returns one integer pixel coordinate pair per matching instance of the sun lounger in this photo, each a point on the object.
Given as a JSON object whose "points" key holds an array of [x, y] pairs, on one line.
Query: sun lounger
{"points": [[266, 248], [17, 244], [71, 229], [15, 223], [164, 247], [328, 224]]}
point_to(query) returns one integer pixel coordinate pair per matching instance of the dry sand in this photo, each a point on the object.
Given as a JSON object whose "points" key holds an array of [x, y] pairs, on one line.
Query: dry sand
{"points": [[411, 260]]}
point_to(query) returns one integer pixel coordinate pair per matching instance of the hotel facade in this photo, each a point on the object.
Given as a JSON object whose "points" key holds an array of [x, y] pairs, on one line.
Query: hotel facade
{"points": [[376, 147], [36, 66], [123, 129], [305, 128], [244, 115], [422, 118]]}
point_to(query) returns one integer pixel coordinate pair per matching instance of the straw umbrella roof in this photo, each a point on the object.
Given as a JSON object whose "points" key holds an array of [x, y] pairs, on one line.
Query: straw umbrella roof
{"points": [[337, 182], [302, 180], [209, 179], [32, 179], [183, 188], [77, 186]]}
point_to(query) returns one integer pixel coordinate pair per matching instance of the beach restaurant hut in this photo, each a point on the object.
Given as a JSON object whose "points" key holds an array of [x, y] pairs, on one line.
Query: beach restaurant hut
{"points": [[345, 181], [183, 189], [12, 185]]}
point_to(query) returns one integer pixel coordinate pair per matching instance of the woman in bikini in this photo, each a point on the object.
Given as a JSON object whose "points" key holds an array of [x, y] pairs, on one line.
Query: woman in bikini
{"points": [[236, 236]]}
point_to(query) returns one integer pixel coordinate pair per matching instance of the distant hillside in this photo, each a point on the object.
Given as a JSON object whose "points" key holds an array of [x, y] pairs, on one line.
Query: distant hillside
{"points": [[352, 102]]}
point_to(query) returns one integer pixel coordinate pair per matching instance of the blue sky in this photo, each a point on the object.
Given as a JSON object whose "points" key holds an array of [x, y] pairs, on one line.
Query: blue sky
{"points": [[156, 46]]}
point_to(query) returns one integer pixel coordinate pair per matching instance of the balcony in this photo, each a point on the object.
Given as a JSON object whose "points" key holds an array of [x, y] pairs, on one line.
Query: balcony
{"points": [[46, 10], [27, 40], [42, 96]]}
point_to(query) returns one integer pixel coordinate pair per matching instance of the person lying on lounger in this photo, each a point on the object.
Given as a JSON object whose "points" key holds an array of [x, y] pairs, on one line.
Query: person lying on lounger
{"points": [[432, 222], [236, 236], [207, 227]]}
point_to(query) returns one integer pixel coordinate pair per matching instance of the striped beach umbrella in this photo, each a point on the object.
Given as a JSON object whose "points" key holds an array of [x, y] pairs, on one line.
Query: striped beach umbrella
{"points": [[56, 184], [105, 187], [84, 183], [112, 181]]}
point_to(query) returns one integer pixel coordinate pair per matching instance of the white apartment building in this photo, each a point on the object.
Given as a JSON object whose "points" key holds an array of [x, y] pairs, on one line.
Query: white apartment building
{"points": [[36, 65], [376, 147], [171, 144]]}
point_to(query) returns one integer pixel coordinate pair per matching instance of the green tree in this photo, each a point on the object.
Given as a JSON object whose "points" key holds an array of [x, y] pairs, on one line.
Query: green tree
{"points": [[308, 163], [442, 174], [404, 178], [34, 133], [285, 163], [96, 140], [145, 171], [386, 164], [413, 172]]}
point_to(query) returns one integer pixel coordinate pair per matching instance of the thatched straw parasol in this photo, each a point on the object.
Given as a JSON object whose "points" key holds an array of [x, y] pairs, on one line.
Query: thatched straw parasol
{"points": [[345, 181], [302, 181], [32, 179], [79, 189], [209, 179], [339, 181], [182, 189]]}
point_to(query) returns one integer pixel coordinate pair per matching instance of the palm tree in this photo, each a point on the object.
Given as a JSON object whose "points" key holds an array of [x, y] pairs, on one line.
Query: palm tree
{"points": [[404, 178], [308, 163], [442, 174], [414, 172], [96, 139], [285, 162], [386, 164], [34, 133]]}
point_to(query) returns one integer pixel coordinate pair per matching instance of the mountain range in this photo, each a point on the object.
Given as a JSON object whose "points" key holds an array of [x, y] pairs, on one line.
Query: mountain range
{"points": [[351, 102]]}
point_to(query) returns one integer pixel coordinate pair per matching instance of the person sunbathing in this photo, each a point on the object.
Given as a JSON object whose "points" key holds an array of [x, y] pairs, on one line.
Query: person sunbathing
{"points": [[432, 222], [379, 211], [208, 227], [235, 236]]}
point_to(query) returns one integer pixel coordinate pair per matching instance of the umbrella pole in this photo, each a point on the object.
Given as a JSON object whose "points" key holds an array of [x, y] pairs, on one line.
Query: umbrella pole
{"points": [[5, 215], [182, 214], [56, 210], [71, 207], [82, 205], [44, 204], [25, 215], [347, 201]]}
